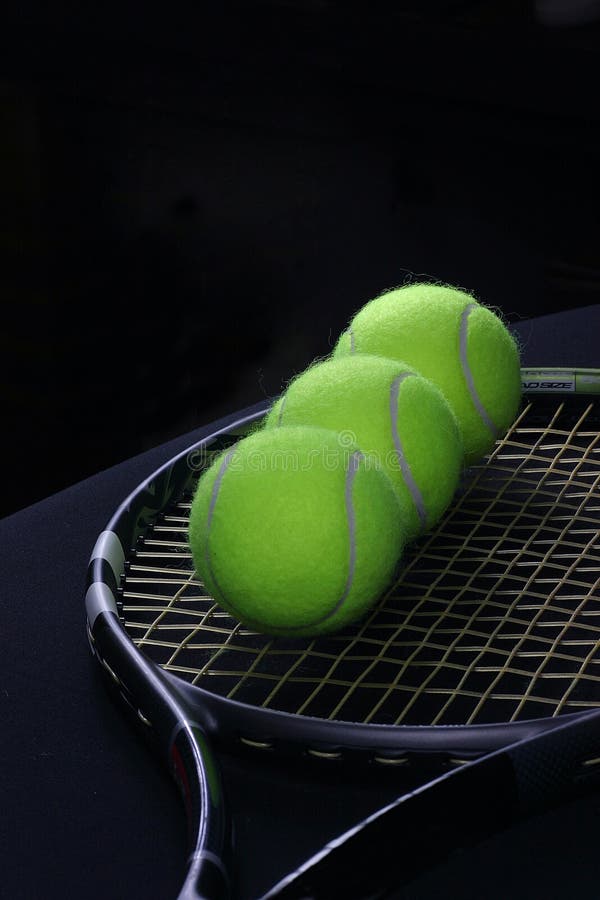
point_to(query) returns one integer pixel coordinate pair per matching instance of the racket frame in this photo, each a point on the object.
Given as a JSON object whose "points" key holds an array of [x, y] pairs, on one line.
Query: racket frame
{"points": [[187, 721]]}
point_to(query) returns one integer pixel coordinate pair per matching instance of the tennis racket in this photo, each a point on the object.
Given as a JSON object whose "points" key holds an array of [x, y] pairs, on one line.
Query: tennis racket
{"points": [[479, 670]]}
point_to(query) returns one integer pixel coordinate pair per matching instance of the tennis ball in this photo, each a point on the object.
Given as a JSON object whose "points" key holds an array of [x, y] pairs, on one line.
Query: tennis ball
{"points": [[399, 419], [456, 342], [293, 534]]}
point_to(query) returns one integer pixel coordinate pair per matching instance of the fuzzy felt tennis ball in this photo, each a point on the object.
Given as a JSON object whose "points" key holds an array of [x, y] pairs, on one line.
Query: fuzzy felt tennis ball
{"points": [[399, 419], [456, 342], [293, 534]]}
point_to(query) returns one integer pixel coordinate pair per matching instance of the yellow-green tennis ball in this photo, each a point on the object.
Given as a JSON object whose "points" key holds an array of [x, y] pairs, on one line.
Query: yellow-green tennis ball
{"points": [[399, 419], [459, 344], [293, 534]]}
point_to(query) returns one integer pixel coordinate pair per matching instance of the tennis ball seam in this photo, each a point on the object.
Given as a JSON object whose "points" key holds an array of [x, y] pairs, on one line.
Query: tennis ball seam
{"points": [[281, 409], [211, 509], [465, 368], [407, 475], [356, 458], [468, 374]]}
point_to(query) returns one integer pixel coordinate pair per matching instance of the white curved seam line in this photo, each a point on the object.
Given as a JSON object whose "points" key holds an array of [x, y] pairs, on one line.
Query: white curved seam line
{"points": [[468, 375], [353, 465], [281, 409], [354, 462], [211, 508], [407, 474]]}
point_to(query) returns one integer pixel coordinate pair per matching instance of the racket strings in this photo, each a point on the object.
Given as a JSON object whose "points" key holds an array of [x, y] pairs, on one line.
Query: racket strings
{"points": [[494, 617], [544, 558], [467, 627]]}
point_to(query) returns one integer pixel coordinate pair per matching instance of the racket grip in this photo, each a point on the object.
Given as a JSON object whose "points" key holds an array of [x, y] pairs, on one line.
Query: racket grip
{"points": [[558, 764], [416, 831], [399, 841]]}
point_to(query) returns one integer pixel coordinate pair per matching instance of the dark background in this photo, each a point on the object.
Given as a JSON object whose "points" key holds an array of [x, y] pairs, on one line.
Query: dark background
{"points": [[194, 203]]}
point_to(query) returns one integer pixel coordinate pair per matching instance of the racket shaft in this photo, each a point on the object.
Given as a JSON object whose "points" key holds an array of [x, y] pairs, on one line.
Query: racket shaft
{"points": [[154, 703]]}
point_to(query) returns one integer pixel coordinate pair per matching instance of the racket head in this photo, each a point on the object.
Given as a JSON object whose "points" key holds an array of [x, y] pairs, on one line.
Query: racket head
{"points": [[489, 634]]}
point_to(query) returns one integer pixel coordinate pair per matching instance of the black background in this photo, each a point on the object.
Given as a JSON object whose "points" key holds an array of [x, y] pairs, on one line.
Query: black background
{"points": [[194, 202]]}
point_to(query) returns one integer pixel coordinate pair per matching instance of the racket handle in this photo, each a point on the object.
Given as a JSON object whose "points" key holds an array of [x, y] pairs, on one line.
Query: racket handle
{"points": [[399, 841]]}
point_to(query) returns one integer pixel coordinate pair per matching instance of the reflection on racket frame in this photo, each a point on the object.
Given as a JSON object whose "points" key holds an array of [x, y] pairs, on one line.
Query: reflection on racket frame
{"points": [[490, 638]]}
